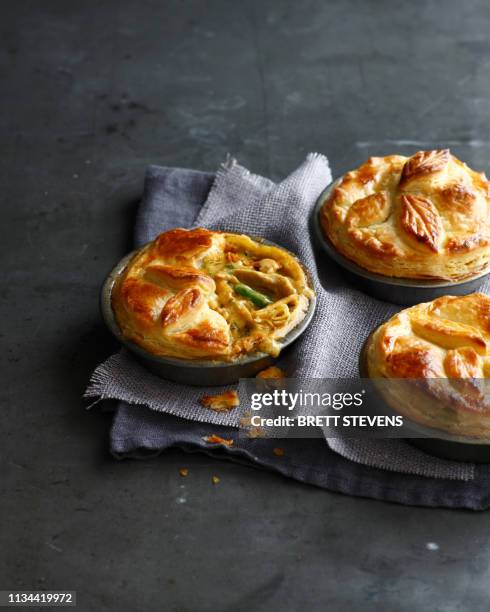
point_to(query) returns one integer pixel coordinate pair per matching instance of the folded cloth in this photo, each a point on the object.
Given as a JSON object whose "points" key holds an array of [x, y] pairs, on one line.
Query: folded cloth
{"points": [[240, 201], [138, 432]]}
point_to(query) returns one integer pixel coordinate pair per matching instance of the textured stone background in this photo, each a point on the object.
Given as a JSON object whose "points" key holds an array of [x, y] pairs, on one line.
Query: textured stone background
{"points": [[94, 91]]}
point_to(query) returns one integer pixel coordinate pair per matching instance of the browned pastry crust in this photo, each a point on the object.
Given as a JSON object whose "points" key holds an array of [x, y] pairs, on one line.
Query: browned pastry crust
{"points": [[176, 296], [444, 347], [422, 217]]}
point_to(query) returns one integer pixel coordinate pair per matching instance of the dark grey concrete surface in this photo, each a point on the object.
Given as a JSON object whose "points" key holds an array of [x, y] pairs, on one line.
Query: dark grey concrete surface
{"points": [[94, 91]]}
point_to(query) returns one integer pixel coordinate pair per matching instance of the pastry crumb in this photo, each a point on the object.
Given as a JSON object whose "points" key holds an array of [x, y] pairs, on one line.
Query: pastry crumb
{"points": [[215, 480], [256, 432], [184, 472], [278, 451], [214, 439], [223, 402], [272, 372], [252, 431], [246, 419]]}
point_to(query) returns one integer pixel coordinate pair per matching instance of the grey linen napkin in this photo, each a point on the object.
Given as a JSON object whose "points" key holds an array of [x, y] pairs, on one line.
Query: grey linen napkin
{"points": [[243, 202]]}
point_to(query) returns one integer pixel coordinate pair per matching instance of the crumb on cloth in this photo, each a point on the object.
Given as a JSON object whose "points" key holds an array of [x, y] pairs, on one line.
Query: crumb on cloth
{"points": [[272, 372], [214, 439], [252, 431], [246, 419], [215, 480], [278, 451], [184, 472], [256, 432], [224, 402]]}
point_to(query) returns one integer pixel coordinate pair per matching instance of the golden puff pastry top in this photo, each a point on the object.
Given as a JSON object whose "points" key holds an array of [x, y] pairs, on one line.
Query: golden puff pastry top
{"points": [[446, 341], [422, 217], [178, 296]]}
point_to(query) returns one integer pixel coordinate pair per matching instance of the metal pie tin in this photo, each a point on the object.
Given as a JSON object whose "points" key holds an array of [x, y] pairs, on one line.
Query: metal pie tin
{"points": [[403, 291], [205, 373], [434, 441]]}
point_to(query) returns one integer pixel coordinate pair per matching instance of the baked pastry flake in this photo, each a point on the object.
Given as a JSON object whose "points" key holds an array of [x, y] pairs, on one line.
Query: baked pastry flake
{"points": [[422, 217], [443, 347], [200, 294]]}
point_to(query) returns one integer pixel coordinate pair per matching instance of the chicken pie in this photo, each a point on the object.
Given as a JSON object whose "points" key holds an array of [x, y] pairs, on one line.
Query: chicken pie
{"points": [[444, 347], [421, 217], [200, 294]]}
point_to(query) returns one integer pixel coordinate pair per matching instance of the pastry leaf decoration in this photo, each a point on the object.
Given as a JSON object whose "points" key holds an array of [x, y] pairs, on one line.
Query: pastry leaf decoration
{"points": [[425, 162], [421, 220]]}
